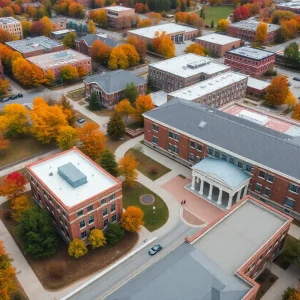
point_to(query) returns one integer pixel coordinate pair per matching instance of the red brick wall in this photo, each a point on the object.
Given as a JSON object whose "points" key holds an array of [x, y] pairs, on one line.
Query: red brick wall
{"points": [[216, 49], [82, 47], [255, 92]]}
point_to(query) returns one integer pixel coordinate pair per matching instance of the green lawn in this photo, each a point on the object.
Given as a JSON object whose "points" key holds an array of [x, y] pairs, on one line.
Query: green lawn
{"points": [[76, 95], [131, 196], [217, 13], [146, 164]]}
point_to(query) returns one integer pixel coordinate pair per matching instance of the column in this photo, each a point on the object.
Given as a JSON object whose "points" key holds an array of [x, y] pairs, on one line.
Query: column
{"points": [[245, 190], [201, 187], [220, 197], [238, 197], [229, 201], [193, 183], [210, 191]]}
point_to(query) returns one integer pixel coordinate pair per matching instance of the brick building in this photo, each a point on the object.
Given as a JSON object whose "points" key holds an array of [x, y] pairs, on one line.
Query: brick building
{"points": [[219, 262], [35, 46], [215, 91], [182, 71], [84, 43], [246, 31], [256, 88], [293, 6], [250, 61], [1, 71], [36, 5], [76, 192], [85, 3], [110, 86], [188, 133], [12, 26], [59, 23], [218, 44], [175, 31], [117, 14], [55, 61]]}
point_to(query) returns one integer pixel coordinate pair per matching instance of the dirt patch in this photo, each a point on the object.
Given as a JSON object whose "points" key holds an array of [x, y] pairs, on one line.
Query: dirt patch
{"points": [[192, 219]]}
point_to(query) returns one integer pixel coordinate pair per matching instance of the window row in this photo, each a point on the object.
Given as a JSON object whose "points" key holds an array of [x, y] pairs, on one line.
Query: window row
{"points": [[259, 188], [264, 175]]}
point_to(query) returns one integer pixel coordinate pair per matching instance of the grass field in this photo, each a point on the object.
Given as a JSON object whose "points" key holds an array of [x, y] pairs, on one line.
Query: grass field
{"points": [[217, 13]]}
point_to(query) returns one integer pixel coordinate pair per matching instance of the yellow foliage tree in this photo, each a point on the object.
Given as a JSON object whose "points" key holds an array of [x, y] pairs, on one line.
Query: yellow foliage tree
{"points": [[127, 168], [196, 49], [222, 25], [91, 27], [97, 238], [4, 144], [118, 59], [47, 26], [82, 71], [47, 121], [68, 72], [291, 100], [67, 138], [296, 113], [77, 248], [14, 120], [132, 219], [131, 53], [92, 140], [49, 77], [163, 45], [4, 85], [142, 105], [261, 33], [124, 108], [19, 205]]}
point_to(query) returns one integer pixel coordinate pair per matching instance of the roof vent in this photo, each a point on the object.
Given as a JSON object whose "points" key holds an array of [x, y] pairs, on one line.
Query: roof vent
{"points": [[50, 174], [202, 124]]}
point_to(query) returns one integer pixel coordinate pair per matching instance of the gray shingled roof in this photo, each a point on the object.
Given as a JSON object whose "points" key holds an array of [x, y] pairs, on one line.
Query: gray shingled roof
{"points": [[115, 81], [91, 38], [184, 274], [259, 144]]}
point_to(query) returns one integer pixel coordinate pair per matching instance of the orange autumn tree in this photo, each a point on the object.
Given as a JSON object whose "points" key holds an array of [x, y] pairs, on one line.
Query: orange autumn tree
{"points": [[132, 219], [142, 105], [277, 91], [162, 44], [154, 17], [14, 120], [140, 46], [4, 144], [196, 49], [101, 52], [7, 275], [291, 100], [82, 71], [46, 120], [13, 185], [261, 33], [144, 23], [4, 85], [296, 113], [92, 140], [19, 205], [131, 53], [5, 36], [124, 108], [127, 168]]}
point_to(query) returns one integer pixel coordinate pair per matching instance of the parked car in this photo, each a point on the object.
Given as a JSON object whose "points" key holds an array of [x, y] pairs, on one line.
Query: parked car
{"points": [[155, 249], [5, 99], [13, 97], [80, 120], [20, 95], [297, 78], [193, 40]]}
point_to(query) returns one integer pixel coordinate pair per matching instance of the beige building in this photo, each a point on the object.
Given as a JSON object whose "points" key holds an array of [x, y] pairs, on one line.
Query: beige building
{"points": [[182, 71], [218, 44], [12, 26], [55, 61]]}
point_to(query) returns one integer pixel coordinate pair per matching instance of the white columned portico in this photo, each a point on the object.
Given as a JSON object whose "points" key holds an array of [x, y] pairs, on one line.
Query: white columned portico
{"points": [[220, 197], [201, 186], [245, 190], [229, 201], [238, 197], [193, 183], [210, 191]]}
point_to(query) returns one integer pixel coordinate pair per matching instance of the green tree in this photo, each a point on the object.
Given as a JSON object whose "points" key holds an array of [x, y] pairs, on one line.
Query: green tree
{"points": [[292, 251], [93, 101], [37, 233], [130, 92], [108, 162], [116, 126], [291, 53], [114, 233], [182, 6], [69, 40], [212, 24]]}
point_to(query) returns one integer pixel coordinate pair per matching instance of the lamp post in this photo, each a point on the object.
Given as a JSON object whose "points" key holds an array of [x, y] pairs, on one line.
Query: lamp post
{"points": [[153, 213]]}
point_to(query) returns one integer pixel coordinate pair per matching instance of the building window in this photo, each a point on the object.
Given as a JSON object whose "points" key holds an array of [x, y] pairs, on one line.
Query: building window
{"points": [[248, 168], [240, 165], [105, 212], [82, 224], [155, 140], [176, 137], [113, 208], [258, 187], [154, 127], [294, 188], [171, 135], [289, 202], [217, 154], [80, 213], [199, 147], [270, 178], [262, 174], [90, 208], [267, 192], [224, 157], [191, 157], [231, 160], [91, 219], [103, 201], [105, 223], [83, 235], [114, 218], [112, 197], [192, 144], [210, 151]]}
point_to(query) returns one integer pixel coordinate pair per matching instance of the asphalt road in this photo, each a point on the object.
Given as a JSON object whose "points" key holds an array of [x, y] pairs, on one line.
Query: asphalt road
{"points": [[108, 283]]}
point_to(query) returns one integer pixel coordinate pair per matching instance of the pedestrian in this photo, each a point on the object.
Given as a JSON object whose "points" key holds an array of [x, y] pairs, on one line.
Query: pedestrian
{"points": [[184, 202]]}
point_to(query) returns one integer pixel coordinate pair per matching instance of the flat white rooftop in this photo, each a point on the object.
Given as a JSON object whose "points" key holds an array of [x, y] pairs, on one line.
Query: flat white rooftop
{"points": [[252, 53], [252, 25], [117, 8], [219, 39], [208, 86], [149, 32], [257, 84], [184, 65], [62, 31], [159, 98], [97, 180], [239, 235], [293, 4], [8, 20]]}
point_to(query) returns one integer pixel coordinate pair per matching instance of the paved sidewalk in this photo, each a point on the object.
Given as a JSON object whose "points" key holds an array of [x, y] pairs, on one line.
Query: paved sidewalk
{"points": [[294, 231]]}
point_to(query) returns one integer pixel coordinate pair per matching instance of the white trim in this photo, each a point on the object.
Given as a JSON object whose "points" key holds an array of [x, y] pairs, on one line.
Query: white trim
{"points": [[224, 150]]}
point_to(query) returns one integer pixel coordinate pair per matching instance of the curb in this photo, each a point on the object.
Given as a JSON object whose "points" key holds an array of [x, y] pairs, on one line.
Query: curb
{"points": [[107, 270]]}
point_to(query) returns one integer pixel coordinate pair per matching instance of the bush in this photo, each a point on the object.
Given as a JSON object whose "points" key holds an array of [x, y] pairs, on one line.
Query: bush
{"points": [[56, 269], [270, 73], [153, 169], [7, 214], [77, 248], [114, 233], [17, 296]]}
